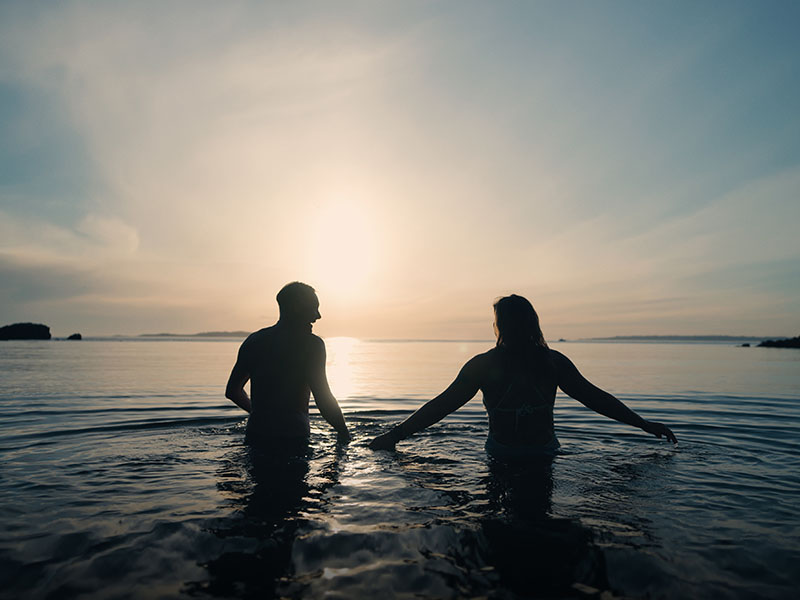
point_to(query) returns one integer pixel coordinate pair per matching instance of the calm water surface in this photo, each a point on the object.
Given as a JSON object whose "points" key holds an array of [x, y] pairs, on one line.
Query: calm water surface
{"points": [[123, 473]]}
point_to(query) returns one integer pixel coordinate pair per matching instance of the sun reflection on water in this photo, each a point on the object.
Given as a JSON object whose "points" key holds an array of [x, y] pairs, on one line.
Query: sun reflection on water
{"points": [[340, 369]]}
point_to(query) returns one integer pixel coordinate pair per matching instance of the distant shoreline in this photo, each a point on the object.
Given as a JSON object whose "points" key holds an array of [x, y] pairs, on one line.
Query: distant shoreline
{"points": [[676, 338], [201, 334], [733, 339], [240, 334]]}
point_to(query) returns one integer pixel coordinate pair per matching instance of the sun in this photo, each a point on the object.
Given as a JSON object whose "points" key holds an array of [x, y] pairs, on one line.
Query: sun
{"points": [[343, 248]]}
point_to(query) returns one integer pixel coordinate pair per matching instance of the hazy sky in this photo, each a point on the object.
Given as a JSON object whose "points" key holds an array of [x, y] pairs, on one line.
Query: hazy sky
{"points": [[631, 167]]}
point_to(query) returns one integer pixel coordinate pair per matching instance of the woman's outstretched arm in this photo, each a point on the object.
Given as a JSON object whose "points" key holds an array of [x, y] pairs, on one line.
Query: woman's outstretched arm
{"points": [[577, 386], [458, 393]]}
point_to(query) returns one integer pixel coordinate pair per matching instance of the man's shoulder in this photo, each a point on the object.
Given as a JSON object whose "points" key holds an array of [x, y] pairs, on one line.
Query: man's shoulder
{"points": [[315, 343], [256, 340], [273, 336], [258, 335], [307, 347]]}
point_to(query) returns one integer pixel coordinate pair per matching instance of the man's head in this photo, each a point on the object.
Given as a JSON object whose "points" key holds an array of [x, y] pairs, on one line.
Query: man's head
{"points": [[298, 303]]}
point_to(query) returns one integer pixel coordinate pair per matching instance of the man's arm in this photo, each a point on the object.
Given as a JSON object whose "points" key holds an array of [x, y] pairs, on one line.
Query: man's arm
{"points": [[323, 397], [581, 389], [235, 389], [458, 393]]}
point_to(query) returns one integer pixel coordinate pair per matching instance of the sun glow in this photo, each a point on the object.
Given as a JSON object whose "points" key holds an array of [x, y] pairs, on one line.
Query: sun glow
{"points": [[343, 249]]}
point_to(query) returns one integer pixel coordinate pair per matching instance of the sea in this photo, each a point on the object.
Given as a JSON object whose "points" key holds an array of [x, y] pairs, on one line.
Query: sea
{"points": [[124, 474]]}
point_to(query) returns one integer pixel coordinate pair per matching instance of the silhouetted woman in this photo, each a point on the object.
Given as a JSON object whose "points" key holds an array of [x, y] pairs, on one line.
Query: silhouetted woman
{"points": [[518, 378]]}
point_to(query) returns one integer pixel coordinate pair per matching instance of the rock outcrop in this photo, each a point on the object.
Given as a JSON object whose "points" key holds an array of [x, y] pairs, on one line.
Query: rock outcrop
{"points": [[25, 331], [787, 343], [75, 336]]}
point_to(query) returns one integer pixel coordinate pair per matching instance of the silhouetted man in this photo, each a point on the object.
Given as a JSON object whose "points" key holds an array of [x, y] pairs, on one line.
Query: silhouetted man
{"points": [[285, 363]]}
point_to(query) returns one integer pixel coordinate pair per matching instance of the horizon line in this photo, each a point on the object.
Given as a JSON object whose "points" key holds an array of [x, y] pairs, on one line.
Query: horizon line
{"points": [[239, 334]]}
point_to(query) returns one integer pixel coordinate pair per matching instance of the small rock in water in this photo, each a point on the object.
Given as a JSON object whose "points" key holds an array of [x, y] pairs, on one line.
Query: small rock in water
{"points": [[75, 336]]}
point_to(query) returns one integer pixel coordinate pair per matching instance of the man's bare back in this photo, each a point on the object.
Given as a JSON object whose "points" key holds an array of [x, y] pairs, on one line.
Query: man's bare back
{"points": [[285, 364]]}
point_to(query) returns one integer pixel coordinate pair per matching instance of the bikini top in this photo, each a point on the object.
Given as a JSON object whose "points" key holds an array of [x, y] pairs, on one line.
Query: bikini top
{"points": [[530, 403]]}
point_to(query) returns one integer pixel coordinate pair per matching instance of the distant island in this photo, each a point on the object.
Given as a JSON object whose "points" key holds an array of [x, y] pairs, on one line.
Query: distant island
{"points": [[678, 338], [25, 331], [205, 334], [787, 343]]}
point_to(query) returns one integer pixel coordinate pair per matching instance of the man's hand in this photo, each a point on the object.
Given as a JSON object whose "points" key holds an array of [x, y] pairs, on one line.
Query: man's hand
{"points": [[658, 430]]}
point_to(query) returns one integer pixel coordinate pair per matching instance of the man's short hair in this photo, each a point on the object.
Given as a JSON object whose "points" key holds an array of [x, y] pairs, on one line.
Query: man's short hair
{"points": [[293, 296]]}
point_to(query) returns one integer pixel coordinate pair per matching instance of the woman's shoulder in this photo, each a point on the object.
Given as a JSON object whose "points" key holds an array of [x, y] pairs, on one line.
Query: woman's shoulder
{"points": [[480, 362], [496, 356], [485, 357], [564, 367], [557, 357]]}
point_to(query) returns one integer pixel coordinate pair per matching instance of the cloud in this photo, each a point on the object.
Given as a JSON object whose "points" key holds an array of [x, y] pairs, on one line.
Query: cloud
{"points": [[25, 282], [92, 241], [212, 128], [113, 234]]}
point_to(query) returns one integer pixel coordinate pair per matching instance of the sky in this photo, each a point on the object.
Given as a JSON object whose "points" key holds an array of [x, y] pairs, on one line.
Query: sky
{"points": [[632, 168]]}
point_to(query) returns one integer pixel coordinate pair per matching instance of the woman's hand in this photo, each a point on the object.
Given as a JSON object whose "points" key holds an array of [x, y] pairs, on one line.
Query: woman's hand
{"points": [[658, 430], [384, 442], [457, 394]]}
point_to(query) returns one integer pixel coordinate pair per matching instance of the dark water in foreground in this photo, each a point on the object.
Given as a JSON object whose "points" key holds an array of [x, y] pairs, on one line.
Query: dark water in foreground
{"points": [[123, 473]]}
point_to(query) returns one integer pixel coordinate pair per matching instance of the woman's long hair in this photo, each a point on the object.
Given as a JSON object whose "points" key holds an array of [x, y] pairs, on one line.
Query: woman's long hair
{"points": [[519, 335], [517, 324]]}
